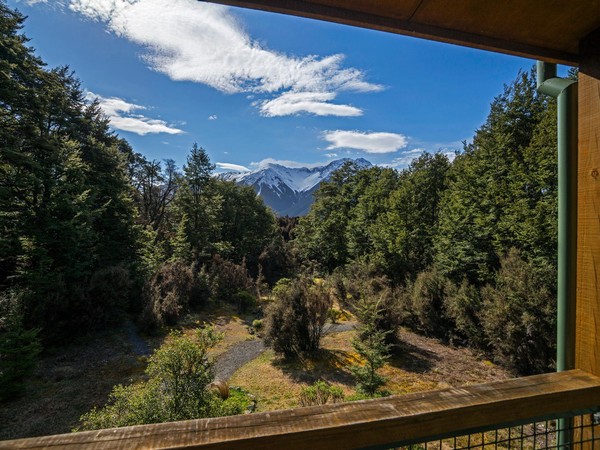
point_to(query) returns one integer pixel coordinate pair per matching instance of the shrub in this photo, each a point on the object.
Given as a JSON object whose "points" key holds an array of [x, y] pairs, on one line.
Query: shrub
{"points": [[258, 325], [276, 260], [321, 393], [179, 373], [519, 315], [294, 321], [428, 292], [19, 347], [244, 301], [202, 289], [170, 293], [463, 306], [238, 402], [228, 278]]}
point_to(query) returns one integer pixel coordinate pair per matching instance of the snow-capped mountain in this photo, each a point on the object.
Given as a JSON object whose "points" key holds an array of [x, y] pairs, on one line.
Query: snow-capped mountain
{"points": [[288, 190]]}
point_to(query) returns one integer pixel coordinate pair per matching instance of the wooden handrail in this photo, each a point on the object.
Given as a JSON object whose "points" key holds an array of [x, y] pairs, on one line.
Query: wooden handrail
{"points": [[366, 423]]}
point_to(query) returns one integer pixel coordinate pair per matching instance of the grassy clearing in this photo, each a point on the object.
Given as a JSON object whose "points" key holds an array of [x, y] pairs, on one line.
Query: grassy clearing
{"points": [[419, 364], [70, 381], [234, 326]]}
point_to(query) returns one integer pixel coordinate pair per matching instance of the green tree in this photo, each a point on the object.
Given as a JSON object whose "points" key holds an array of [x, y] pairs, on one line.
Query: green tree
{"points": [[196, 199], [404, 230], [247, 225], [370, 344], [501, 188], [320, 235], [65, 199]]}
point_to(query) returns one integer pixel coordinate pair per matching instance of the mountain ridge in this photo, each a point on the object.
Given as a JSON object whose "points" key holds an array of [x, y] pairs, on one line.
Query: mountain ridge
{"points": [[288, 191]]}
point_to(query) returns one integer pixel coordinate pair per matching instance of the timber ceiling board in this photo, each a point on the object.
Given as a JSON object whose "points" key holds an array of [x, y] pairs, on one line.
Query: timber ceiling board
{"points": [[542, 29]]}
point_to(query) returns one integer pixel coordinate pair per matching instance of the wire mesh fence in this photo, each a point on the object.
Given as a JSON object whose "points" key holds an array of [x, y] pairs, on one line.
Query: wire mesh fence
{"points": [[567, 432]]}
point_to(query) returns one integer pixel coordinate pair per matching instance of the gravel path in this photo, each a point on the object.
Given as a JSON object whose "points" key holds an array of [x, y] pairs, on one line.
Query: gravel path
{"points": [[236, 357], [138, 346], [245, 351]]}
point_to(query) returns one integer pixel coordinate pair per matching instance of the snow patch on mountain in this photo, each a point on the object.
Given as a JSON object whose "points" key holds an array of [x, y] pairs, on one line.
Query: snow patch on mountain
{"points": [[288, 190]]}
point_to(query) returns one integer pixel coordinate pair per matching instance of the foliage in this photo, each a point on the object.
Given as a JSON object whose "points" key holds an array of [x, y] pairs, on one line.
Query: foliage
{"points": [[109, 292], [19, 347], [228, 279], [170, 292], [321, 393], [258, 325], [247, 225], [362, 284], [334, 314], [295, 320], [370, 344], [502, 189], [428, 306], [276, 259], [519, 315], [178, 375], [65, 199], [462, 305], [439, 229], [244, 301]]}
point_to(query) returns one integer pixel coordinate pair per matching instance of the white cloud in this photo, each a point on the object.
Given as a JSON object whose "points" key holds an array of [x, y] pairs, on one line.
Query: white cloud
{"points": [[414, 151], [213, 117], [201, 42], [331, 155], [366, 142], [316, 103], [120, 115], [229, 166]]}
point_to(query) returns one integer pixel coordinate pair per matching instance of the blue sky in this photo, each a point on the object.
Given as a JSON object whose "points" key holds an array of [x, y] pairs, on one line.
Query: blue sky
{"points": [[250, 86]]}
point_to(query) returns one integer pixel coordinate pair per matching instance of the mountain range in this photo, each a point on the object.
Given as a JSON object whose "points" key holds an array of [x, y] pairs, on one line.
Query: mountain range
{"points": [[288, 191]]}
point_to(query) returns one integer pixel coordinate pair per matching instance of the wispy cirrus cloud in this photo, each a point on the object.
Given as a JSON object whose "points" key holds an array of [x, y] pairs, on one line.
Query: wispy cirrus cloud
{"points": [[229, 166], [378, 142], [120, 114], [205, 43], [317, 103]]}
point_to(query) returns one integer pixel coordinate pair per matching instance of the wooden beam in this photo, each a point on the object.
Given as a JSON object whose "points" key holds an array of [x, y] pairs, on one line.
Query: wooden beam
{"points": [[347, 16], [587, 339], [587, 332], [368, 423]]}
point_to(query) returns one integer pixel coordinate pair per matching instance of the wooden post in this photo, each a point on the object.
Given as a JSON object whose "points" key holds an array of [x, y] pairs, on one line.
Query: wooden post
{"points": [[587, 339]]}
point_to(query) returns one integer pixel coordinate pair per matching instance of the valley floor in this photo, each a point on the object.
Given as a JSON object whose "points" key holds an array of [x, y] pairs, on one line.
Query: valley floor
{"points": [[71, 381]]}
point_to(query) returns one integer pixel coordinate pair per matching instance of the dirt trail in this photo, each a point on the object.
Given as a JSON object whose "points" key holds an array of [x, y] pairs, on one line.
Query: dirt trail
{"points": [[245, 351]]}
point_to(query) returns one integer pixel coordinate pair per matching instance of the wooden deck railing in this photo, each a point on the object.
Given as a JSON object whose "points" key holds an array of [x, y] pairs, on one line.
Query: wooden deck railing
{"points": [[387, 421]]}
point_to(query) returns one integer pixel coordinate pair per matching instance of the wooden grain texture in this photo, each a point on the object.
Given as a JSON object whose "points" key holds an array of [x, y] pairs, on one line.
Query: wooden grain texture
{"points": [[587, 340], [540, 29], [353, 425], [587, 333]]}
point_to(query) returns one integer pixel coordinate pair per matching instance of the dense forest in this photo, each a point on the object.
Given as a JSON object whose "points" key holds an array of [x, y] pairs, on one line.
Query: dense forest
{"points": [[465, 250], [92, 232]]}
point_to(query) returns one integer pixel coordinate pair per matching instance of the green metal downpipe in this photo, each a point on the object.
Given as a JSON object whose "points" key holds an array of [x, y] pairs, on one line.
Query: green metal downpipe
{"points": [[565, 91]]}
